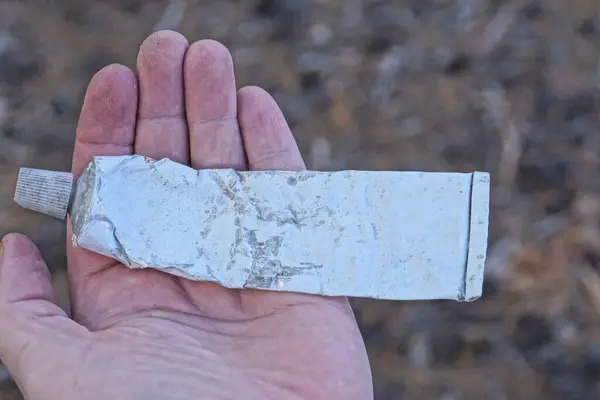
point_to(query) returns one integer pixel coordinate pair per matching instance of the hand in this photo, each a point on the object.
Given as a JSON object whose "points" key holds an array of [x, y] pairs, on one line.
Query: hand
{"points": [[143, 334]]}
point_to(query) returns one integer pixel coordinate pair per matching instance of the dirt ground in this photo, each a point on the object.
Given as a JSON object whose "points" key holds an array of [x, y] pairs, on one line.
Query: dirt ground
{"points": [[506, 86]]}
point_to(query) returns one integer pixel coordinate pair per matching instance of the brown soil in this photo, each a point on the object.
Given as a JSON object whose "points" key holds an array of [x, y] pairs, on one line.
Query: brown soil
{"points": [[506, 86]]}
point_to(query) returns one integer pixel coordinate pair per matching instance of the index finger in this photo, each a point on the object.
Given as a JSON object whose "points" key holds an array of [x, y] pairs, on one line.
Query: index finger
{"points": [[106, 128], [108, 116]]}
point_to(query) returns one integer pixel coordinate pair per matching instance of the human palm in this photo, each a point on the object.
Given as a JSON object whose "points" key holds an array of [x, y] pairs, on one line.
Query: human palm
{"points": [[143, 334]]}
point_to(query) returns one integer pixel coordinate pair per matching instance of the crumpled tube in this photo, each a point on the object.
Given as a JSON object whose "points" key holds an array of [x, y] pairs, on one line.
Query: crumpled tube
{"points": [[385, 235]]}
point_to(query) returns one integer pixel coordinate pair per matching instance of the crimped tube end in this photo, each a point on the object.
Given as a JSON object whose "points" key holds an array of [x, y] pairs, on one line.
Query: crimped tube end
{"points": [[47, 192]]}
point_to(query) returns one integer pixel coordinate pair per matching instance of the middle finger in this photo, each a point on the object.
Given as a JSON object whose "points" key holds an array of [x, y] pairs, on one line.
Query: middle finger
{"points": [[161, 127], [211, 106]]}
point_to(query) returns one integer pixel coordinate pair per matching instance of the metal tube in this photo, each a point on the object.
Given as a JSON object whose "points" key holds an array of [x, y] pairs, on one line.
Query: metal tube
{"points": [[386, 235]]}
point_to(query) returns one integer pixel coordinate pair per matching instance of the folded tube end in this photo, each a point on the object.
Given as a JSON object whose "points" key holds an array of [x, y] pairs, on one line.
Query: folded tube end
{"points": [[478, 237], [46, 192]]}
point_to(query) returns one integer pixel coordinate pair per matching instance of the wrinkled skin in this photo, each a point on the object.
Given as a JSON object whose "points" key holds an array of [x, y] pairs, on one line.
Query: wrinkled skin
{"points": [[142, 334]]}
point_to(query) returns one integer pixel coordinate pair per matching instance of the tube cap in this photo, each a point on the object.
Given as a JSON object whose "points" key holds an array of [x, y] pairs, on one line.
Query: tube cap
{"points": [[47, 192]]}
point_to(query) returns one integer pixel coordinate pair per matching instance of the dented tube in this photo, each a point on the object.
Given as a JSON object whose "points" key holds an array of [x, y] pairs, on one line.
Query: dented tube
{"points": [[385, 235]]}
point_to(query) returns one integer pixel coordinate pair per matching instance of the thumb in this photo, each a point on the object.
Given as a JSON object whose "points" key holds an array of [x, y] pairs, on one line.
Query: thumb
{"points": [[24, 276], [29, 315]]}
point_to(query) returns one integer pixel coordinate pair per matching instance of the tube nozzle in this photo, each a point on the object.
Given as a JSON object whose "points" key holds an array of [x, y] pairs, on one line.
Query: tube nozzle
{"points": [[47, 192]]}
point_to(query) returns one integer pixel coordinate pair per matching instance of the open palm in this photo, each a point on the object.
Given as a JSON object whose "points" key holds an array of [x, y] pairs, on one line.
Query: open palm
{"points": [[142, 334]]}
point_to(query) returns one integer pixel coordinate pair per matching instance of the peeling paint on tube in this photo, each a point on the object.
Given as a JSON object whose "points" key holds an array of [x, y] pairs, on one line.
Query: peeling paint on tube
{"points": [[384, 235]]}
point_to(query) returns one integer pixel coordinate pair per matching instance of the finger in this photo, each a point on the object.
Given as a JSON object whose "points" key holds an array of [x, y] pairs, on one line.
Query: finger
{"points": [[107, 122], [106, 127], [25, 290], [215, 141], [268, 141], [161, 128], [269, 145], [23, 274], [211, 106], [34, 328]]}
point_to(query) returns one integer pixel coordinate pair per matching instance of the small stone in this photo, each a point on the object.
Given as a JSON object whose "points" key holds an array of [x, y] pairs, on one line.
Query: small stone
{"points": [[498, 260], [419, 352], [459, 65], [578, 130], [490, 288], [552, 361], [592, 258], [379, 44], [583, 104], [352, 13], [133, 6], [10, 131], [76, 15], [591, 363], [251, 31], [545, 176], [320, 153], [383, 388], [411, 127], [288, 16], [480, 347], [310, 80], [452, 153], [7, 42], [320, 34], [568, 387], [446, 347], [350, 57], [60, 107], [555, 173], [545, 102], [448, 394], [561, 202], [16, 72], [531, 332], [267, 8], [533, 10], [589, 28], [419, 7]]}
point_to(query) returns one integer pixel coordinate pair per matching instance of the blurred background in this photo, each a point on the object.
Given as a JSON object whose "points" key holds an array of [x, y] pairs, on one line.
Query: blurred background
{"points": [[511, 87]]}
